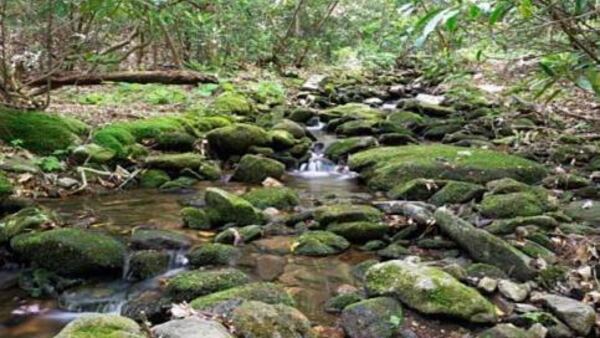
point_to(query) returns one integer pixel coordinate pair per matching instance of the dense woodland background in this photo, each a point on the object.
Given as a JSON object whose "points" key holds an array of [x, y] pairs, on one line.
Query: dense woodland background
{"points": [[555, 40]]}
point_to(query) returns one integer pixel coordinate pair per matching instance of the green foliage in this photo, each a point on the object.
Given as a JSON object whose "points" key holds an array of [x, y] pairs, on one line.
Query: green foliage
{"points": [[50, 164]]}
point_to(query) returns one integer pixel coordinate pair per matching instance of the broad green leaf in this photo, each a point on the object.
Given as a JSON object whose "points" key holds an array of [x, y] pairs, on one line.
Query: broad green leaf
{"points": [[433, 23]]}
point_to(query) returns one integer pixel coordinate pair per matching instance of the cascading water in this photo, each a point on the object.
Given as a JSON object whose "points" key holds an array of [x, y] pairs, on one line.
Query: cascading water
{"points": [[318, 165]]}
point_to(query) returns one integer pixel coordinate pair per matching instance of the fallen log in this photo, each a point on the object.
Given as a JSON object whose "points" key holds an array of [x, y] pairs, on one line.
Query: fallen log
{"points": [[177, 77]]}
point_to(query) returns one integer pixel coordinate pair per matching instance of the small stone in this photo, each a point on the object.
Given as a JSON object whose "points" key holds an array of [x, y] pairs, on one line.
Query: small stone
{"points": [[487, 284], [513, 291], [578, 315], [67, 182]]}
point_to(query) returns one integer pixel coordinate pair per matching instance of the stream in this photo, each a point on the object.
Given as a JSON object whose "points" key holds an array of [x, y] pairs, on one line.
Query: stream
{"points": [[310, 280]]}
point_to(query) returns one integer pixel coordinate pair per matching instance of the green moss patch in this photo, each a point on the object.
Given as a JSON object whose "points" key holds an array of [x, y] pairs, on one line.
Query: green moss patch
{"points": [[189, 285], [276, 197]]}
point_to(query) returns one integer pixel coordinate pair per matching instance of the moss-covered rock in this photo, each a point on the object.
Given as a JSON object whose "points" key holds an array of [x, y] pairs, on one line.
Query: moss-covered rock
{"points": [[281, 139], [254, 319], [232, 103], [319, 243], [394, 250], [506, 186], [507, 226], [505, 331], [210, 171], [291, 127], [101, 325], [429, 290], [147, 263], [175, 141], [406, 119], [357, 128], [179, 184], [337, 303], [189, 285], [485, 247], [265, 292], [255, 169], [378, 317], [213, 254], [39, 132], [344, 147], [153, 178], [277, 197], [175, 162], [236, 139], [359, 232], [515, 204], [480, 270], [387, 167], [158, 239], [353, 110], [6, 187], [244, 234], [587, 211], [341, 213], [71, 252], [195, 218], [191, 327], [457, 192], [25, 219], [419, 189], [224, 207], [430, 109], [93, 153]]}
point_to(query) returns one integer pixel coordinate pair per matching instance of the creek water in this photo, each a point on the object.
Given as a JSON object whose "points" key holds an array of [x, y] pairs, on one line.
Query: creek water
{"points": [[310, 280]]}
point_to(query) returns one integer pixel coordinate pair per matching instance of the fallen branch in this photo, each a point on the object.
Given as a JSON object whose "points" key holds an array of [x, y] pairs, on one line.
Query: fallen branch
{"points": [[179, 77]]}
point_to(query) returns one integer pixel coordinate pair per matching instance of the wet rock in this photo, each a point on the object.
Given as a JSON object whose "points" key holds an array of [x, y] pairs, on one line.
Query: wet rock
{"points": [[175, 141], [195, 218], [419, 189], [579, 316], [387, 167], [25, 219], [319, 243], [153, 178], [210, 170], [485, 247], [269, 267], [255, 319], [239, 235], [359, 232], [513, 291], [587, 210], [393, 251], [372, 318], [566, 181], [338, 303], [236, 139], [147, 263], [360, 270], [505, 331], [281, 139], [158, 239], [515, 204], [224, 207], [71, 252], [302, 115], [487, 284], [555, 328], [101, 325], [265, 292], [67, 182], [352, 110], [213, 254], [480, 270], [291, 127], [396, 139], [357, 128], [191, 328], [175, 162], [93, 153], [429, 290], [255, 169], [373, 245], [179, 184], [455, 192], [344, 147], [189, 285], [406, 119], [277, 197], [341, 213], [150, 305]]}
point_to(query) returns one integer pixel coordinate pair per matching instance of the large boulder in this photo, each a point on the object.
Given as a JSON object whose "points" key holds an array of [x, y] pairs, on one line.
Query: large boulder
{"points": [[387, 167], [224, 207], [340, 213], [372, 318], [265, 292], [256, 168], [191, 328], [101, 325], [71, 252], [213, 254], [189, 285], [254, 319], [429, 290], [485, 247], [319, 243], [275, 197], [526, 203], [147, 263], [236, 139]]}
